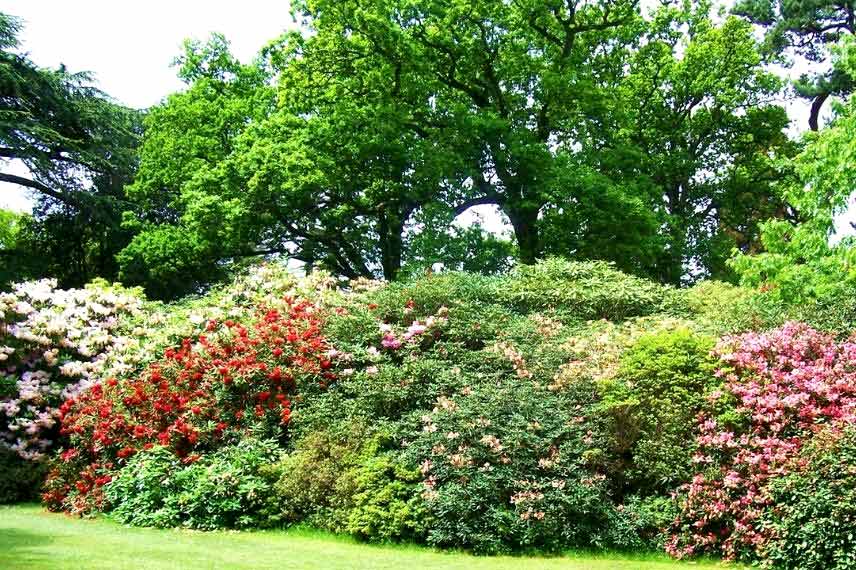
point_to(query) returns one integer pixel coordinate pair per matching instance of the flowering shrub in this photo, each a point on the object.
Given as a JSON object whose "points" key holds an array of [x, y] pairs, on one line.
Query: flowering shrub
{"points": [[503, 467], [54, 344], [147, 333], [206, 392], [811, 527], [788, 384], [482, 413]]}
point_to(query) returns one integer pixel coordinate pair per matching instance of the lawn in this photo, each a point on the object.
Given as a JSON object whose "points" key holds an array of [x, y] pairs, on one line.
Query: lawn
{"points": [[31, 538]]}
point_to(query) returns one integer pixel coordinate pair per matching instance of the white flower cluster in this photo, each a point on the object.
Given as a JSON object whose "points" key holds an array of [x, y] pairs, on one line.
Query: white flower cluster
{"points": [[53, 344]]}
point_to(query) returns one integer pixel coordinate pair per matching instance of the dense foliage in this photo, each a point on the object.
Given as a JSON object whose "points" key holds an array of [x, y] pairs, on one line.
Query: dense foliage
{"points": [[216, 387], [563, 405], [78, 148], [596, 131], [779, 389], [558, 386], [812, 528], [224, 489]]}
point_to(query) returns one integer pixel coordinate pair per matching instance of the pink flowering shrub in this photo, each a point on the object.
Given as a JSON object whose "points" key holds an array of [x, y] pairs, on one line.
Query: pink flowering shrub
{"points": [[786, 385], [54, 344]]}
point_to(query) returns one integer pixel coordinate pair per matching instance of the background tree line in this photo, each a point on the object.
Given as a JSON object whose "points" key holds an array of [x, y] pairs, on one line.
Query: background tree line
{"points": [[600, 130]]}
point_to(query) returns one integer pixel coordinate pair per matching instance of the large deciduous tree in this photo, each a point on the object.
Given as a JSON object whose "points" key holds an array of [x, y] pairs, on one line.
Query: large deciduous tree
{"points": [[234, 167], [800, 261], [356, 141], [708, 135], [187, 225], [515, 86]]}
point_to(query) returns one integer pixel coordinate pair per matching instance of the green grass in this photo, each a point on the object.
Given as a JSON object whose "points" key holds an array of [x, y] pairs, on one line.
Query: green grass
{"points": [[31, 538]]}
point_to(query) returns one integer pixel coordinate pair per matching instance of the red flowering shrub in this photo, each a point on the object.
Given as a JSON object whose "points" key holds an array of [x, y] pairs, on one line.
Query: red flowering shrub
{"points": [[788, 384], [204, 393]]}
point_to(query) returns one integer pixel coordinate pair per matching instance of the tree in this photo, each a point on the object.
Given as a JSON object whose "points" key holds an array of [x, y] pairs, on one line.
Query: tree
{"points": [[597, 132], [79, 149], [514, 86], [228, 172], [186, 230], [799, 262], [340, 182], [806, 28], [357, 141], [708, 135], [10, 226]]}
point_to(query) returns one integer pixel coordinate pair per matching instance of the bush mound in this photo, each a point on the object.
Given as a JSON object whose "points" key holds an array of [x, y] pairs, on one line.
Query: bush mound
{"points": [[812, 526], [563, 405]]}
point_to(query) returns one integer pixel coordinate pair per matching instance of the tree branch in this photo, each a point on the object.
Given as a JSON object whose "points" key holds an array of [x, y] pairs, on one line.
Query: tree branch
{"points": [[38, 186], [815, 110], [467, 204]]}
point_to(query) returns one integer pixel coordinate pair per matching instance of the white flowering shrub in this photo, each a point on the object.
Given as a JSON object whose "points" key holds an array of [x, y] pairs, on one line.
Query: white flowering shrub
{"points": [[54, 343]]}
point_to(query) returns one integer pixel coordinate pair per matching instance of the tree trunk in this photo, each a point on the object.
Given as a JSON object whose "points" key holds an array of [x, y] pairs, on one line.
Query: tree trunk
{"points": [[391, 245], [525, 224], [814, 115], [672, 269]]}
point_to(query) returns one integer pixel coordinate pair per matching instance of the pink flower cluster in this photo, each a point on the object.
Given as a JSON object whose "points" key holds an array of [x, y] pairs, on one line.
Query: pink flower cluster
{"points": [[789, 384], [392, 340]]}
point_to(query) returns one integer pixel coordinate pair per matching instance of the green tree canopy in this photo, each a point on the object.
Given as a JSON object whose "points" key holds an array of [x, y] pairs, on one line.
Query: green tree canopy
{"points": [[79, 149], [799, 261], [597, 131]]}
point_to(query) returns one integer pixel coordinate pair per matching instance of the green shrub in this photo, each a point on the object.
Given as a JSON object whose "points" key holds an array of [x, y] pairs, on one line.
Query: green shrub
{"points": [[385, 503], [228, 488], [586, 290], [835, 312], [20, 479], [813, 517], [652, 403], [309, 478], [641, 524], [429, 293], [341, 479], [724, 308], [504, 468]]}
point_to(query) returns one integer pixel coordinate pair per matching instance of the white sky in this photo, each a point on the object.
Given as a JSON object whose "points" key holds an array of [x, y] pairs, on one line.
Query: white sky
{"points": [[129, 46]]}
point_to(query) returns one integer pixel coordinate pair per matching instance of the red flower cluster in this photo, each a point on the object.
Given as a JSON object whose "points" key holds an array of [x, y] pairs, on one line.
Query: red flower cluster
{"points": [[204, 392]]}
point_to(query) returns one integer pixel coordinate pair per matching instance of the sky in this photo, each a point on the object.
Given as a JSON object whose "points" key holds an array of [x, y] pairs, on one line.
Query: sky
{"points": [[129, 47]]}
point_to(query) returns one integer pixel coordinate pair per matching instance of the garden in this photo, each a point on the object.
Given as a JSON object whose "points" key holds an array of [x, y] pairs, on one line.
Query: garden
{"points": [[564, 406], [255, 335]]}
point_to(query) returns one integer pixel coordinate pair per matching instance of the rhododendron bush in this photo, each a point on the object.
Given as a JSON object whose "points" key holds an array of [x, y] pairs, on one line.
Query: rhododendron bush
{"points": [[54, 344], [463, 411], [786, 386], [210, 390]]}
